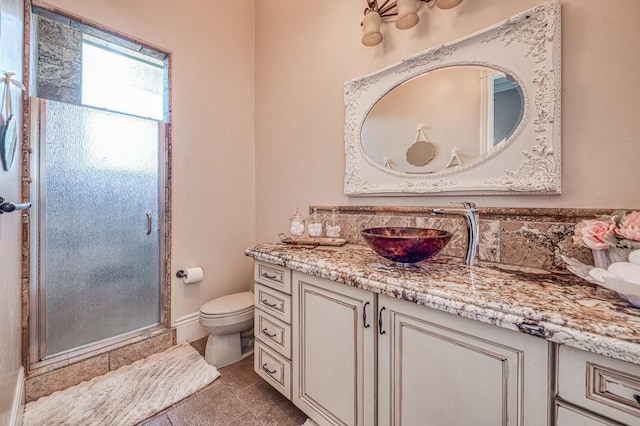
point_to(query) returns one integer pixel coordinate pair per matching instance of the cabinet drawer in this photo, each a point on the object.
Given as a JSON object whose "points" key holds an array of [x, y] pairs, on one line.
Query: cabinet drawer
{"points": [[273, 332], [273, 276], [273, 368], [567, 415], [273, 302], [603, 385]]}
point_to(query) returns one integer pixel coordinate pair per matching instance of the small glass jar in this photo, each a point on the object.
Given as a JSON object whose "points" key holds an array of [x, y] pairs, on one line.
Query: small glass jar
{"points": [[296, 226], [333, 225], [314, 224]]}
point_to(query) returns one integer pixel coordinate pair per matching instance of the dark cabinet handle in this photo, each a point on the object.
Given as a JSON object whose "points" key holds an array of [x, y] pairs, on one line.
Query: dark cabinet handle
{"points": [[637, 398], [265, 368], [380, 321], [364, 315], [265, 331], [271, 305], [269, 276]]}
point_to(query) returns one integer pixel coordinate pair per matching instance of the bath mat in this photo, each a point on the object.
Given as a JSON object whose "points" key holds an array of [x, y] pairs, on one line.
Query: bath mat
{"points": [[127, 395]]}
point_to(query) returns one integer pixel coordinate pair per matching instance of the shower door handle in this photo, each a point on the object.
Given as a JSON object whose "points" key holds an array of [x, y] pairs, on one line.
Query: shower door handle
{"points": [[149, 223]]}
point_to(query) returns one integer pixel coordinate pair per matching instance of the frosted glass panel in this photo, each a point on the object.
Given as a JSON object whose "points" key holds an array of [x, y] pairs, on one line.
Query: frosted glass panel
{"points": [[100, 268], [117, 82]]}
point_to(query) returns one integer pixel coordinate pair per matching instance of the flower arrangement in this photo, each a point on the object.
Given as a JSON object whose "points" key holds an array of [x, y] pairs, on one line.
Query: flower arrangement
{"points": [[619, 229]]}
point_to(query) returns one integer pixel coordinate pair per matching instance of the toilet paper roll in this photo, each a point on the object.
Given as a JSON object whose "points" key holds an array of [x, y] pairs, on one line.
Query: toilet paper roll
{"points": [[193, 275]]}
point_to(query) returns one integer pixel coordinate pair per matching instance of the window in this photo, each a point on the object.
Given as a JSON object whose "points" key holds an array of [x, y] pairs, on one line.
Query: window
{"points": [[121, 80]]}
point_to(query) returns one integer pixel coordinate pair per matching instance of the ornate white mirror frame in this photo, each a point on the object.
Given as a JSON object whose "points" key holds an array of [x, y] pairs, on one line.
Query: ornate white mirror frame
{"points": [[526, 47]]}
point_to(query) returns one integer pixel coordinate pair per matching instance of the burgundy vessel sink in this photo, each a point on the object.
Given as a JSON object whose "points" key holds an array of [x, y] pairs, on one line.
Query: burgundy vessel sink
{"points": [[406, 245]]}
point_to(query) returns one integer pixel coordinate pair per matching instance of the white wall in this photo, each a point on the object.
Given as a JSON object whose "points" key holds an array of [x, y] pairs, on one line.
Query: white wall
{"points": [[305, 52], [213, 131], [11, 25]]}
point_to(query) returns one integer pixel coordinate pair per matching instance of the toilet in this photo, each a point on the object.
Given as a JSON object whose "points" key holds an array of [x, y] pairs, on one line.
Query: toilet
{"points": [[229, 322]]}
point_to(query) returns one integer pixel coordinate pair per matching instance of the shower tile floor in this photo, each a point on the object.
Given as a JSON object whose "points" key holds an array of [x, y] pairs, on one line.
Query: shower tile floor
{"points": [[238, 397]]}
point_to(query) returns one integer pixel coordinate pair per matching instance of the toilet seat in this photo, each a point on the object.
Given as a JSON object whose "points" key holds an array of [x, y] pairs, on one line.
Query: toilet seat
{"points": [[230, 305]]}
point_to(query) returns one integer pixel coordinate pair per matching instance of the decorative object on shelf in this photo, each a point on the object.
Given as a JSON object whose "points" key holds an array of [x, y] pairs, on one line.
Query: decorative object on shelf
{"points": [[8, 122], [296, 226], [312, 241], [422, 151], [406, 12], [314, 224], [333, 225], [606, 257], [621, 277], [610, 237], [455, 160]]}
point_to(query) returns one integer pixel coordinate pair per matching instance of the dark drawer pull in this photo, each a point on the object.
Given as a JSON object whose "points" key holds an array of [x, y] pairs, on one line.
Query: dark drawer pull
{"points": [[271, 305], [637, 397], [380, 321], [269, 276], [265, 331], [265, 368]]}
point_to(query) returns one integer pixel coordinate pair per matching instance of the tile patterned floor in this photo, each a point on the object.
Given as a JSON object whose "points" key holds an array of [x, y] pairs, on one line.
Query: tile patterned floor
{"points": [[238, 397]]}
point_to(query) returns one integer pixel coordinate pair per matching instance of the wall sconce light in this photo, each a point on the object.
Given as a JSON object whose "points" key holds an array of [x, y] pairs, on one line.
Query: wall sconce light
{"points": [[405, 10]]}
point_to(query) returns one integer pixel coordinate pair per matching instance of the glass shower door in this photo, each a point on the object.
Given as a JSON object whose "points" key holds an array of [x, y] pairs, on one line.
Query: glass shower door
{"points": [[99, 193]]}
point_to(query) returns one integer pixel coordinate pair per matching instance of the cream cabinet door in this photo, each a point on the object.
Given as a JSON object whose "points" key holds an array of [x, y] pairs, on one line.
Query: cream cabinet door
{"points": [[439, 369], [334, 351]]}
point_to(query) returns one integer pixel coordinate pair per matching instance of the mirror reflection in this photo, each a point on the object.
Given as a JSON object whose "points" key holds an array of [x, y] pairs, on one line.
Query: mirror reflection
{"points": [[443, 119]]}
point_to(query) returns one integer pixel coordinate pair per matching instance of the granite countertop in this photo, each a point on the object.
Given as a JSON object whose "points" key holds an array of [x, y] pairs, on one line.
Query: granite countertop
{"points": [[561, 308]]}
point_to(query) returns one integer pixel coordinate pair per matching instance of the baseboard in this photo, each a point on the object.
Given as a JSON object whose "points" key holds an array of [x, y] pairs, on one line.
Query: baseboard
{"points": [[17, 410], [188, 328]]}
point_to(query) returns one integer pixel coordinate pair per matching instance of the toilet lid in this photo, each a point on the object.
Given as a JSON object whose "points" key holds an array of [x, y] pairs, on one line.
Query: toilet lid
{"points": [[232, 303]]}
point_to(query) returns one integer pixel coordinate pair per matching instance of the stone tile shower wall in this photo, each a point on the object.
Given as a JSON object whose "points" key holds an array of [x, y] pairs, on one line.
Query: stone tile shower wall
{"points": [[59, 61], [59, 54], [515, 236]]}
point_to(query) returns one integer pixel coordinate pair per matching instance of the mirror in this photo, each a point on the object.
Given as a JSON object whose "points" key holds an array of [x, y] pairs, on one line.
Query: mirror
{"points": [[466, 110], [480, 115]]}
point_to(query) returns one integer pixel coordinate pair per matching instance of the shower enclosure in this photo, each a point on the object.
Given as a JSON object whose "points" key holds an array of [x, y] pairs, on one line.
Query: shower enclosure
{"points": [[96, 227]]}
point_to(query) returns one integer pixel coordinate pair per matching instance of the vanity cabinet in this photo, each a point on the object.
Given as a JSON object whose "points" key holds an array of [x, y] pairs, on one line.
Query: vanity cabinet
{"points": [[607, 387], [272, 325], [435, 368], [364, 359], [334, 351], [373, 354]]}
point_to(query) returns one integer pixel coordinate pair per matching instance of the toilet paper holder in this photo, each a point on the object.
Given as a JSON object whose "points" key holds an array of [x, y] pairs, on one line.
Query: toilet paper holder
{"points": [[191, 275]]}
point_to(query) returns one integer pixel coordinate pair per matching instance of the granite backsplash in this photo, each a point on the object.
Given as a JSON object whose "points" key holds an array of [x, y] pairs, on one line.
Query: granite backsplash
{"points": [[532, 237]]}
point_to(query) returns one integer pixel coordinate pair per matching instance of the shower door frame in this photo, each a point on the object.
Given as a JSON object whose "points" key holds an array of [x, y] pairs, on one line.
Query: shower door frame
{"points": [[37, 314]]}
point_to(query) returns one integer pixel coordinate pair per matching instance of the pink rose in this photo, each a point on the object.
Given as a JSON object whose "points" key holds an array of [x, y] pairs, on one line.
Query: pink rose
{"points": [[630, 226], [594, 231]]}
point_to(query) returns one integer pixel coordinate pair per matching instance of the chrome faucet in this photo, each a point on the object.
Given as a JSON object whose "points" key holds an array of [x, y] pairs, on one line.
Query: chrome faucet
{"points": [[471, 219]]}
